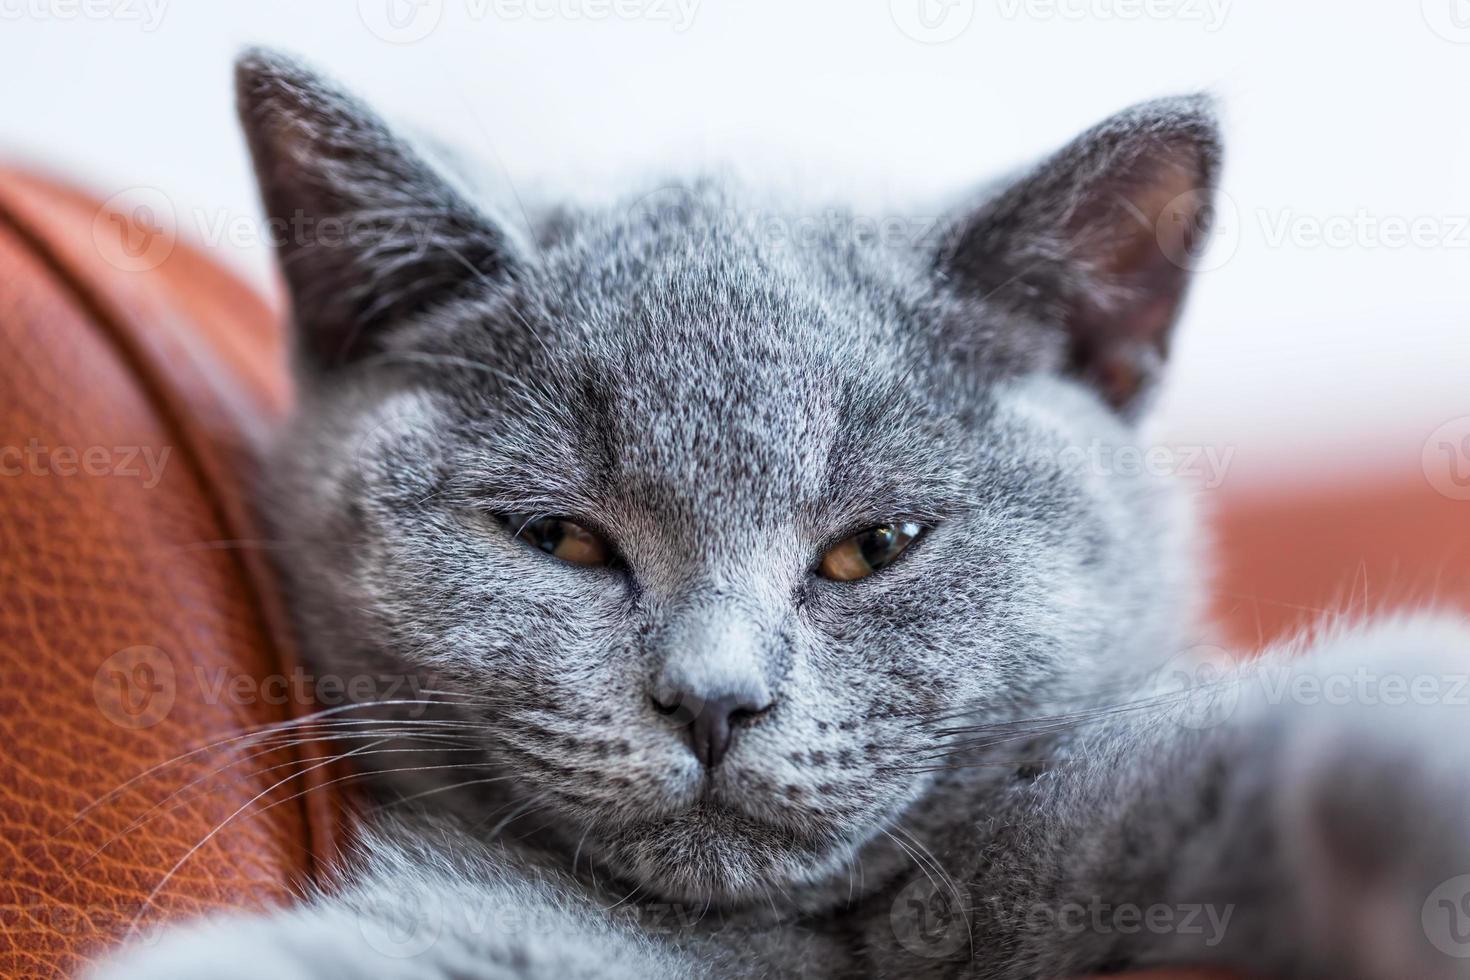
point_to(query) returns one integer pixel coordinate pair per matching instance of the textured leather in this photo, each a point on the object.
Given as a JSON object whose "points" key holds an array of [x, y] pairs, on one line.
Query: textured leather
{"points": [[125, 594]]}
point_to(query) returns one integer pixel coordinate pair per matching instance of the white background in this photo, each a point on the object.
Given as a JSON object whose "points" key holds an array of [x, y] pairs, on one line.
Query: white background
{"points": [[1341, 116]]}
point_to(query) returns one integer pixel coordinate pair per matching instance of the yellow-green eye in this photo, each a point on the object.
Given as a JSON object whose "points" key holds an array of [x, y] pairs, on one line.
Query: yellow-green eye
{"points": [[863, 554], [562, 539]]}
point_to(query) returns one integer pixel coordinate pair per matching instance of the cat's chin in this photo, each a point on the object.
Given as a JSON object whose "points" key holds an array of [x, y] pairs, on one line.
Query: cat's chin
{"points": [[711, 855]]}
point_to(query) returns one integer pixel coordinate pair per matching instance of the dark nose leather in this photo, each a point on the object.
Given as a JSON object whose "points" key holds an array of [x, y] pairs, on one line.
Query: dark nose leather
{"points": [[710, 725]]}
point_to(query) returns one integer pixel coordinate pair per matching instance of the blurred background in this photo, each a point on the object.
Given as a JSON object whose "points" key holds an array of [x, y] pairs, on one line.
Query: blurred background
{"points": [[1323, 360]]}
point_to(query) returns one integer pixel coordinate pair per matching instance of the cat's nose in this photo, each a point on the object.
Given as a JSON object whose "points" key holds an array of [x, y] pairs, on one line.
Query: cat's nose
{"points": [[710, 724], [714, 675]]}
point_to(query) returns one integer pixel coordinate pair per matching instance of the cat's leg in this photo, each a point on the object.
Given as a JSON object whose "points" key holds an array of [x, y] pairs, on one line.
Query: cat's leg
{"points": [[1299, 817], [427, 903]]}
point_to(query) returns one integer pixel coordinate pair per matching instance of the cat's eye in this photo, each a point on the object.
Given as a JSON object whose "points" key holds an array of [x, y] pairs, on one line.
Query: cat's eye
{"points": [[562, 539], [869, 551]]}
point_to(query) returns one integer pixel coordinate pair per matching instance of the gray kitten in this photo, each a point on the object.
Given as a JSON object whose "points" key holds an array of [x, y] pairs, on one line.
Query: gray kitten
{"points": [[757, 617]]}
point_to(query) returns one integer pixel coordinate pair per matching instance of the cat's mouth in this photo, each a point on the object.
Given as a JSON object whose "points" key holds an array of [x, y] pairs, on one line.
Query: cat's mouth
{"points": [[710, 851], [764, 819]]}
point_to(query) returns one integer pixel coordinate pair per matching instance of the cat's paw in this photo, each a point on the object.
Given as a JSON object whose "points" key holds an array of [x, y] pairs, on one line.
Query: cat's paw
{"points": [[1374, 806], [225, 949], [389, 938]]}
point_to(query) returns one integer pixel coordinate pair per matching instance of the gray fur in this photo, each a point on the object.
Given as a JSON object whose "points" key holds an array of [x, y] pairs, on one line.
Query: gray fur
{"points": [[972, 726]]}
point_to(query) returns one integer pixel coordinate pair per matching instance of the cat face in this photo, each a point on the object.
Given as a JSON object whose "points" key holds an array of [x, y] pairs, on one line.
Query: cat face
{"points": [[710, 538]]}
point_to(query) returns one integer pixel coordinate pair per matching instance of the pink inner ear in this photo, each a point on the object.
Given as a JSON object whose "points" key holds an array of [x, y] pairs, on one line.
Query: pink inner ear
{"points": [[1139, 248], [1146, 233]]}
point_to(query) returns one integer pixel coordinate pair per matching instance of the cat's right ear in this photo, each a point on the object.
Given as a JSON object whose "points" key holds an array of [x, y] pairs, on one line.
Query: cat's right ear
{"points": [[368, 231], [1096, 244]]}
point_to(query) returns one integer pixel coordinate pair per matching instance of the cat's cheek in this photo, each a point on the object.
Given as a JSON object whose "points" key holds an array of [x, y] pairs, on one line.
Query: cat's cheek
{"points": [[916, 643]]}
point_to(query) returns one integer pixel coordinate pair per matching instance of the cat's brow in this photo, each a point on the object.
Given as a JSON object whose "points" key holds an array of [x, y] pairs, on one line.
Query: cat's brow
{"points": [[873, 481], [853, 505], [522, 481], [881, 467]]}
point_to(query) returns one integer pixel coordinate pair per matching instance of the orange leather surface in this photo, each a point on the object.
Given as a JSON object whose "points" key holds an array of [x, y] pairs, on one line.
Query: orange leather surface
{"points": [[123, 602]]}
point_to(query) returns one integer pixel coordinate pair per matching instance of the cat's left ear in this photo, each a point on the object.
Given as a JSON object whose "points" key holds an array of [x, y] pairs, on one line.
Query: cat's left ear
{"points": [[1098, 241], [368, 231]]}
